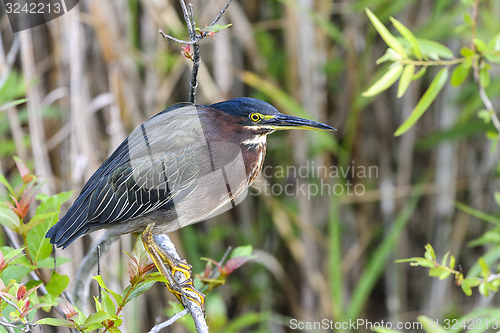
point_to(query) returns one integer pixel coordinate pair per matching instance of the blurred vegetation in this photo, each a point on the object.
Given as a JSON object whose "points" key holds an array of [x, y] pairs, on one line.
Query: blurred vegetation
{"points": [[325, 232]]}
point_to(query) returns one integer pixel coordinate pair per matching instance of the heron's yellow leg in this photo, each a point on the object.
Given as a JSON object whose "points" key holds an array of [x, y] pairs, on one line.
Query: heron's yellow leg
{"points": [[162, 259]]}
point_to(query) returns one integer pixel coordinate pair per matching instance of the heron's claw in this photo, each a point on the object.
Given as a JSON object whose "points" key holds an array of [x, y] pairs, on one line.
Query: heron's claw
{"points": [[178, 285]]}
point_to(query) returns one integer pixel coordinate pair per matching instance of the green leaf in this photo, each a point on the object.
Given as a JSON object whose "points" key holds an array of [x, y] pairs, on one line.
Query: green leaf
{"points": [[436, 271], [429, 96], [9, 219], [484, 77], [242, 251], [444, 275], [39, 246], [139, 289], [430, 325], [35, 220], [385, 81], [477, 213], [57, 284], [405, 80], [385, 34], [480, 45], [55, 322], [95, 319], [214, 28], [452, 262], [108, 304], [419, 74], [389, 55], [473, 282], [429, 252], [460, 73], [408, 35], [466, 288], [118, 298], [467, 52], [11, 253], [434, 50], [6, 183], [485, 269], [11, 104], [445, 259], [494, 43], [98, 305], [497, 198], [485, 115]]}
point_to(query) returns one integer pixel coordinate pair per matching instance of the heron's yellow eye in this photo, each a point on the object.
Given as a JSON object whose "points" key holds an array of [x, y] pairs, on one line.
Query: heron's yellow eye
{"points": [[255, 117]]}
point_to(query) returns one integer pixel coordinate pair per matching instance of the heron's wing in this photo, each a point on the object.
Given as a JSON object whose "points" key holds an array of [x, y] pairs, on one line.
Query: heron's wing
{"points": [[144, 174]]}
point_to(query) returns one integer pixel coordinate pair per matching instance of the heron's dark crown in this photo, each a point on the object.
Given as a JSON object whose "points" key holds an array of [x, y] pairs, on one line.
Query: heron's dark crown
{"points": [[244, 106]]}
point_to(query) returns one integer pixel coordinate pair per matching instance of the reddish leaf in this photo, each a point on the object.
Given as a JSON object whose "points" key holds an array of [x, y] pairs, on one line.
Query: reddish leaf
{"points": [[186, 52], [22, 206], [67, 308], [21, 292], [23, 170], [234, 263]]}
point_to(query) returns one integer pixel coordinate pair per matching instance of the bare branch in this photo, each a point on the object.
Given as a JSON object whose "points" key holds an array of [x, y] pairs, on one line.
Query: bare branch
{"points": [[8, 326], [197, 313], [169, 322], [180, 41], [220, 14]]}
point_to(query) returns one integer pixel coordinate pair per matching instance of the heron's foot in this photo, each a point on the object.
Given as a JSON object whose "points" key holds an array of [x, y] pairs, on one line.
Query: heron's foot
{"points": [[177, 272]]}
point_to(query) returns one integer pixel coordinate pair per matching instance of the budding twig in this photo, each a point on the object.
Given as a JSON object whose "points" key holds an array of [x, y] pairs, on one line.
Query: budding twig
{"points": [[195, 38]]}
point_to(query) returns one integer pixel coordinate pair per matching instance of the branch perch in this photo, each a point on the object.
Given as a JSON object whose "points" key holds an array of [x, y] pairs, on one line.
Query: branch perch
{"points": [[175, 281], [195, 37]]}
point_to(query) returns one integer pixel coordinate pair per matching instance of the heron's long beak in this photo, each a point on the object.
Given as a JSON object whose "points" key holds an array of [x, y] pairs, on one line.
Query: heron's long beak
{"points": [[283, 121]]}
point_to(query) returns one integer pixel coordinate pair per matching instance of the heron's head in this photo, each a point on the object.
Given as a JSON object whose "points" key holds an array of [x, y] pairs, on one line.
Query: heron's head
{"points": [[262, 118]]}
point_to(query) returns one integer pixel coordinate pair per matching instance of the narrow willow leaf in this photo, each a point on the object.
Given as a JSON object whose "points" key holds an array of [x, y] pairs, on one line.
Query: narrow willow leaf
{"points": [[424, 103], [405, 80], [9, 105], [214, 28], [419, 74], [389, 55], [445, 259], [409, 36], [434, 49], [460, 73], [484, 77], [385, 34], [387, 80]]}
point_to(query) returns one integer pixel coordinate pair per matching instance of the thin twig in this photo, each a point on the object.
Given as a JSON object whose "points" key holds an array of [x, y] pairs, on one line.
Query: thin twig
{"points": [[195, 41], [193, 85], [8, 301], [169, 322], [180, 41], [8, 326], [220, 14], [99, 289], [215, 270]]}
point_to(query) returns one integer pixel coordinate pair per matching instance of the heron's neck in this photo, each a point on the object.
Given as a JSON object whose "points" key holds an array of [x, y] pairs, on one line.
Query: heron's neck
{"points": [[254, 141]]}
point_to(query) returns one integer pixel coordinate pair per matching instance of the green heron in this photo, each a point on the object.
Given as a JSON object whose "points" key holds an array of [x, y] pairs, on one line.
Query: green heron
{"points": [[185, 164]]}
